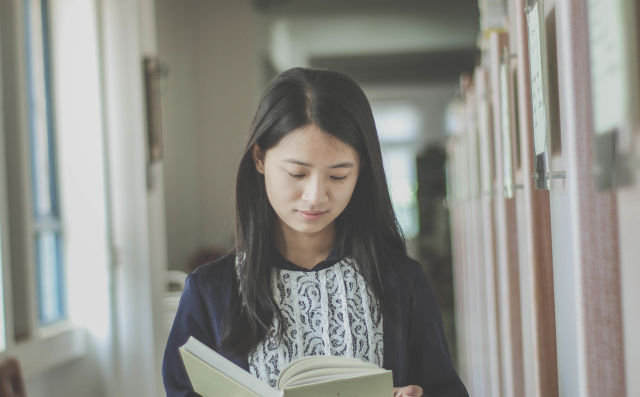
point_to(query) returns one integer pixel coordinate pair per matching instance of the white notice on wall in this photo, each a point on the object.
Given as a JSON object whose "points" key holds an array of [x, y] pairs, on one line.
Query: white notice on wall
{"points": [[505, 112], [537, 65], [607, 40], [483, 131]]}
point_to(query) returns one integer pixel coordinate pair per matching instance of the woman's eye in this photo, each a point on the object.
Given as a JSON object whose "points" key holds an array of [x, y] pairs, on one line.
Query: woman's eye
{"points": [[296, 176], [338, 178]]}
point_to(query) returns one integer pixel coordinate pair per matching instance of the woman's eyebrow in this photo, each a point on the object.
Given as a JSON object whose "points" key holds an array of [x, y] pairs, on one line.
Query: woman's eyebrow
{"points": [[347, 164]]}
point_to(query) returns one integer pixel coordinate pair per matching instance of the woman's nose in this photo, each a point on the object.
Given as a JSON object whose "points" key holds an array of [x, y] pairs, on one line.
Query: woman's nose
{"points": [[315, 191]]}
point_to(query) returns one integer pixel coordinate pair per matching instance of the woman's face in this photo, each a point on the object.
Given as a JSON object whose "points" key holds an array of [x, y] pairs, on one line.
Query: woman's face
{"points": [[309, 177]]}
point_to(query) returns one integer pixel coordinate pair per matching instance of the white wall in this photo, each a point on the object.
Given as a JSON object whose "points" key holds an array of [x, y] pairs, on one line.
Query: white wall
{"points": [[132, 201], [209, 97], [228, 66], [177, 51]]}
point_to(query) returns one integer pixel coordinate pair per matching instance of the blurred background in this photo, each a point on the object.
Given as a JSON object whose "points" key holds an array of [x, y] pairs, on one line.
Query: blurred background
{"points": [[510, 136]]}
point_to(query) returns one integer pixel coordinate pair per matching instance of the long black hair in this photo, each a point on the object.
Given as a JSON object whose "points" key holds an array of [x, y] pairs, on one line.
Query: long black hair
{"points": [[367, 230]]}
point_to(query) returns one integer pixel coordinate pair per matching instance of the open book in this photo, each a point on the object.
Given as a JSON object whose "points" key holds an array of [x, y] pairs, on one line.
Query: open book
{"points": [[213, 375]]}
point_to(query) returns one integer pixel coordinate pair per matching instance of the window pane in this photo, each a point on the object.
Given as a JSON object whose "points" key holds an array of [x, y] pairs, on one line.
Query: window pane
{"points": [[399, 164], [49, 265], [41, 165], [40, 112], [51, 301]]}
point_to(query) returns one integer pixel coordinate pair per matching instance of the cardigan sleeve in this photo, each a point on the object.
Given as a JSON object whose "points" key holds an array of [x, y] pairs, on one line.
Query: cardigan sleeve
{"points": [[190, 320], [429, 362]]}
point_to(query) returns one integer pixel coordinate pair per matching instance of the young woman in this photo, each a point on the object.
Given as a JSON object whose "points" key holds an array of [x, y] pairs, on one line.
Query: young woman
{"points": [[320, 266]]}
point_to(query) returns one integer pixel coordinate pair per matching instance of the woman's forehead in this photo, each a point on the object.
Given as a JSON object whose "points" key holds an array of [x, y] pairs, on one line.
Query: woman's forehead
{"points": [[312, 142]]}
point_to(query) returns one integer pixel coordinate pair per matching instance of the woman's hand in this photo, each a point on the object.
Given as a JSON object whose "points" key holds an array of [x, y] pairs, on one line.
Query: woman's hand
{"points": [[407, 391]]}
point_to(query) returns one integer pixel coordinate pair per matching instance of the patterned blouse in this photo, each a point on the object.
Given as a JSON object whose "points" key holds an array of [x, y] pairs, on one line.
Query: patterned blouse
{"points": [[330, 311]]}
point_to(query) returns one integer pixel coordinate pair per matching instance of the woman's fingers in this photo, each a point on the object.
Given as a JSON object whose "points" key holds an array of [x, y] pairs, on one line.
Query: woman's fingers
{"points": [[407, 391]]}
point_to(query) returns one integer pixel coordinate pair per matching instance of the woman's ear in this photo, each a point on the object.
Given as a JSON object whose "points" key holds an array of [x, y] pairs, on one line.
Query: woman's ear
{"points": [[258, 158]]}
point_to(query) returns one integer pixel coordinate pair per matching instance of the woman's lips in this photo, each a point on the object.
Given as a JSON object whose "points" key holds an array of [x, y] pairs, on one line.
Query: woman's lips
{"points": [[312, 215]]}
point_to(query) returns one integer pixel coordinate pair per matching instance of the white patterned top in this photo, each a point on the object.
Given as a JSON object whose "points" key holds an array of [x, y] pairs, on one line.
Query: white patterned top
{"points": [[331, 311]]}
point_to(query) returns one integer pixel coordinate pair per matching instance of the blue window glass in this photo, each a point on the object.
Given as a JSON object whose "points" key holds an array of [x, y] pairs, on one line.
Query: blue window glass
{"points": [[51, 302], [46, 215]]}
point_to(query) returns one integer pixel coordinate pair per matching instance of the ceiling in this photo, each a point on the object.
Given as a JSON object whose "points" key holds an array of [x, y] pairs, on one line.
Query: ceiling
{"points": [[329, 6], [375, 41]]}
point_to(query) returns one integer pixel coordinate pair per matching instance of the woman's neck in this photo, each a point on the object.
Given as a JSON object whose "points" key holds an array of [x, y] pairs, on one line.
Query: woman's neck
{"points": [[304, 250]]}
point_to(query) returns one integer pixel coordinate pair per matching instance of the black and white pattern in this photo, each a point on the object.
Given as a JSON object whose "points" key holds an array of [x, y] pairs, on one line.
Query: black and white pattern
{"points": [[326, 312]]}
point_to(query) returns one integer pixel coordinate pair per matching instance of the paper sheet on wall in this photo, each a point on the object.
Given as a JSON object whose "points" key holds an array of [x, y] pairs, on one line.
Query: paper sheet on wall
{"points": [[505, 112], [609, 64], [474, 152], [483, 131], [538, 77]]}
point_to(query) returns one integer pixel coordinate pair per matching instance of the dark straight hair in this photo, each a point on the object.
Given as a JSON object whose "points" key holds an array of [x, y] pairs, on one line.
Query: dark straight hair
{"points": [[367, 229]]}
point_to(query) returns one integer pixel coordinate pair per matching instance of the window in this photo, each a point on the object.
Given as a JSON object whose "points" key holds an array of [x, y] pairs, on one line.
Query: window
{"points": [[47, 230], [400, 168], [398, 124], [33, 280], [54, 224]]}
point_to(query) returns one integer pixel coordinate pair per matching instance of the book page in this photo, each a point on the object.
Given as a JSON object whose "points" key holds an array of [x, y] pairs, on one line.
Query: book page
{"points": [[211, 374], [376, 385], [313, 362], [324, 374], [336, 365]]}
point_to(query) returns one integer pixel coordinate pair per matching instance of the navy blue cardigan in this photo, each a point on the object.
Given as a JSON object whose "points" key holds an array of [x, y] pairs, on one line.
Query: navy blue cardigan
{"points": [[415, 348]]}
